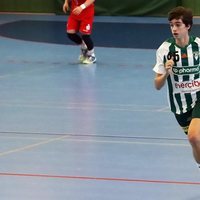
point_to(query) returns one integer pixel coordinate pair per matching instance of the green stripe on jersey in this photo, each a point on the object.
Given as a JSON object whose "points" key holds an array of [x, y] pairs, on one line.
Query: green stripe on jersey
{"points": [[196, 59]]}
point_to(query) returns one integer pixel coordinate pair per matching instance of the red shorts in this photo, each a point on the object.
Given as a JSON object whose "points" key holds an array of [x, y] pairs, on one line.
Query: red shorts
{"points": [[81, 23]]}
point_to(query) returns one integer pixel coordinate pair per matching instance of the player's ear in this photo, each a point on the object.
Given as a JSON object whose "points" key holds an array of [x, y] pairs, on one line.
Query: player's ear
{"points": [[189, 27]]}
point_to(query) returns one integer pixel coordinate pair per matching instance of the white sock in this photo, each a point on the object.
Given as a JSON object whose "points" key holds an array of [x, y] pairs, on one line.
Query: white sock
{"points": [[83, 45], [91, 53]]}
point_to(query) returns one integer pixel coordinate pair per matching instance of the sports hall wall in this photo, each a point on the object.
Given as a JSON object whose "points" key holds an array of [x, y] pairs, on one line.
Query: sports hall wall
{"points": [[103, 7]]}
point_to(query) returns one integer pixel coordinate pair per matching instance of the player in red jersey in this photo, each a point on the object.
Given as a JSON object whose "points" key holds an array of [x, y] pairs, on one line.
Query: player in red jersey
{"points": [[80, 21]]}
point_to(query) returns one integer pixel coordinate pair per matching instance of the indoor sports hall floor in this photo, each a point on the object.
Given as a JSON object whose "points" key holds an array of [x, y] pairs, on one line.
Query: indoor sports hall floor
{"points": [[77, 132]]}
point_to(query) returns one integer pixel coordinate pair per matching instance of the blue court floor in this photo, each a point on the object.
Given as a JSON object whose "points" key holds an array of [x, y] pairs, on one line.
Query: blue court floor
{"points": [[87, 132]]}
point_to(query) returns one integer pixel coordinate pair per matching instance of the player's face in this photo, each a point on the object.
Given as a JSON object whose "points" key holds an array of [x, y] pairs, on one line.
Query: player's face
{"points": [[178, 28]]}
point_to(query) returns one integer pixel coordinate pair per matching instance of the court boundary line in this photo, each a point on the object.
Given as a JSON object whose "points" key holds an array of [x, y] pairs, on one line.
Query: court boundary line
{"points": [[89, 178]]}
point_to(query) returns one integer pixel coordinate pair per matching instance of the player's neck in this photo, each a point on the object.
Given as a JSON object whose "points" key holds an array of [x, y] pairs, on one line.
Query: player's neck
{"points": [[183, 42]]}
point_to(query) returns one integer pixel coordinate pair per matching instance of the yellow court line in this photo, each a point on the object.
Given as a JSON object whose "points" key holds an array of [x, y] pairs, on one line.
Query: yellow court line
{"points": [[32, 146]]}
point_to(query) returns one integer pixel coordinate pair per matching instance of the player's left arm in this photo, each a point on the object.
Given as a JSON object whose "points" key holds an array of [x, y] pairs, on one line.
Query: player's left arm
{"points": [[83, 6], [88, 2]]}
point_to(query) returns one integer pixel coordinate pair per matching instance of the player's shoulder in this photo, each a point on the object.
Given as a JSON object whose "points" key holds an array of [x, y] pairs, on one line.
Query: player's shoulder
{"points": [[166, 44], [195, 39]]}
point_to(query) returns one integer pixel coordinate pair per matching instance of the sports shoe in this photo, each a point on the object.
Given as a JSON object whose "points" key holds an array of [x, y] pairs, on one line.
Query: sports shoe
{"points": [[89, 60], [83, 55]]}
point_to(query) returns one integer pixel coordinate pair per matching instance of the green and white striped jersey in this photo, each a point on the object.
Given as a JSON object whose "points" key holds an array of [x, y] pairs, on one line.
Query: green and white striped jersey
{"points": [[184, 79]]}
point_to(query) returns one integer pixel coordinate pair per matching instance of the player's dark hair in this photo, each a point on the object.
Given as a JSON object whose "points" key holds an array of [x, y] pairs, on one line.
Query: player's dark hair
{"points": [[182, 13]]}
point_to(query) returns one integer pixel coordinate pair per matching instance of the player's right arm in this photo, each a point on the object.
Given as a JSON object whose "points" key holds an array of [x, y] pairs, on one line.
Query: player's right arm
{"points": [[160, 79], [66, 6]]}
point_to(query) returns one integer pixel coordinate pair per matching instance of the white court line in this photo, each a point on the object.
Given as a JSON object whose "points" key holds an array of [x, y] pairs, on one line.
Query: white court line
{"points": [[79, 106], [84, 104], [125, 142], [164, 109]]}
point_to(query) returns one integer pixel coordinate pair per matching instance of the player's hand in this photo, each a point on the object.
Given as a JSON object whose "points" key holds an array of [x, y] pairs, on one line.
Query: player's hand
{"points": [[77, 10], [65, 7], [169, 64]]}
